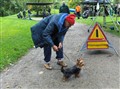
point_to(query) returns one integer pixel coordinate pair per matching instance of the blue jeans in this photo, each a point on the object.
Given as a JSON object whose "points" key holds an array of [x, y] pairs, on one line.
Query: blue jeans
{"points": [[48, 52]]}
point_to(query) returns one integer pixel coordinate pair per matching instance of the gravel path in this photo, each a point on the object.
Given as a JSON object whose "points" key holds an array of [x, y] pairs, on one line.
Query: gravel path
{"points": [[101, 67]]}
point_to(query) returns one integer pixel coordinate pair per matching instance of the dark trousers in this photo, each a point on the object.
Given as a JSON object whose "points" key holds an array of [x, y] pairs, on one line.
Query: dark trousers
{"points": [[78, 15], [48, 52]]}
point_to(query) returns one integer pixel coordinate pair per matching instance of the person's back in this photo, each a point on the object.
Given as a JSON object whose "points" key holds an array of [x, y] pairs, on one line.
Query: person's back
{"points": [[48, 11], [78, 10], [64, 9], [24, 13], [19, 15], [29, 14]]}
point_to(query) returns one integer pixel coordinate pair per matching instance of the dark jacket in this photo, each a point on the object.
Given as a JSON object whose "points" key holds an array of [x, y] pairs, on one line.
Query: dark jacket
{"points": [[64, 9], [49, 29]]}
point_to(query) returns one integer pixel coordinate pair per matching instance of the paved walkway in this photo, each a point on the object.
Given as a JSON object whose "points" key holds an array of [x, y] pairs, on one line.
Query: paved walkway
{"points": [[37, 18]]}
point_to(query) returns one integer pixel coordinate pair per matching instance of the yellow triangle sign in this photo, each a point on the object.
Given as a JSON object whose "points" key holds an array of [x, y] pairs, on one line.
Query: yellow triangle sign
{"points": [[97, 39], [97, 33]]}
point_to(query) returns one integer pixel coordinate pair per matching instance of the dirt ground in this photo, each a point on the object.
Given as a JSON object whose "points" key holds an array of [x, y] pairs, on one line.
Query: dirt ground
{"points": [[101, 67]]}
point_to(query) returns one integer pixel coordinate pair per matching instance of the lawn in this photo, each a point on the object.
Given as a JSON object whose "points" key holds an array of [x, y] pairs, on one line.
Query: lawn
{"points": [[15, 39]]}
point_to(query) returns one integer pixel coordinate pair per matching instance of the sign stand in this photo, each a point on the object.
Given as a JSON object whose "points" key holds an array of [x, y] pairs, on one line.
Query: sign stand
{"points": [[97, 40]]}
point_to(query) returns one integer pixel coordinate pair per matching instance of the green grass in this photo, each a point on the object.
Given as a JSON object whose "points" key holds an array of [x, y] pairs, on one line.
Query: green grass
{"points": [[99, 19], [15, 39]]}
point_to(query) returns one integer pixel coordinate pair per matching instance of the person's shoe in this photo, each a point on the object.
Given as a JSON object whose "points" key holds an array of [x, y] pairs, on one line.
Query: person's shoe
{"points": [[47, 66], [61, 63]]}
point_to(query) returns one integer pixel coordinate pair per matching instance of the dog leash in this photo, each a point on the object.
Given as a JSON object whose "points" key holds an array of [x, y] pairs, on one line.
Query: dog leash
{"points": [[67, 57]]}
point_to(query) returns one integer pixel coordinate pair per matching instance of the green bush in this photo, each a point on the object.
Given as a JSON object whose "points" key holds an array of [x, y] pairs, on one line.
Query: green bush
{"points": [[9, 8]]}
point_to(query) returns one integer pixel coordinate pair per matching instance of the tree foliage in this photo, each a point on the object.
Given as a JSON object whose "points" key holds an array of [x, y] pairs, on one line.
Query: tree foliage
{"points": [[9, 7]]}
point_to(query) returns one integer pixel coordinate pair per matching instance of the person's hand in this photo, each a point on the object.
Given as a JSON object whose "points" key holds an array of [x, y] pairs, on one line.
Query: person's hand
{"points": [[60, 45], [55, 48]]}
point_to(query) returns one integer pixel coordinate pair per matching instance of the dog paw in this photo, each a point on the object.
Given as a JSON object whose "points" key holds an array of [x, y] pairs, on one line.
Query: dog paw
{"points": [[77, 76], [64, 79]]}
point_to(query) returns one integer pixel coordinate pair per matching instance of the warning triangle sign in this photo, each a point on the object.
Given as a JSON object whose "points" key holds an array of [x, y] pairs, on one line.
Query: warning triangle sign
{"points": [[97, 40], [97, 33]]}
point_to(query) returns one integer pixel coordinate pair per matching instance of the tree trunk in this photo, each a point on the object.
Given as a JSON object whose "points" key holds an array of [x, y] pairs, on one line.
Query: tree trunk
{"points": [[37, 13]]}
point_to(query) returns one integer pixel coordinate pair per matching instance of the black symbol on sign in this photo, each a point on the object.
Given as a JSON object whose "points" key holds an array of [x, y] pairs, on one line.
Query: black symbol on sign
{"points": [[97, 33]]}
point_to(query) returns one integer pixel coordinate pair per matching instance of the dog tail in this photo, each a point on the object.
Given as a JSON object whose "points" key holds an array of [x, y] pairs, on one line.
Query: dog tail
{"points": [[62, 69]]}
